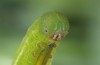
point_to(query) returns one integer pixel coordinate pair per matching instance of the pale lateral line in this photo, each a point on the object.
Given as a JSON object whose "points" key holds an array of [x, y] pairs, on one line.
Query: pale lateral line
{"points": [[18, 57]]}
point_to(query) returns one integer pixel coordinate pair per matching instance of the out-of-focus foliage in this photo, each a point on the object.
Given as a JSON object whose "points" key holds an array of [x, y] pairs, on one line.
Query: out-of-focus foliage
{"points": [[80, 47]]}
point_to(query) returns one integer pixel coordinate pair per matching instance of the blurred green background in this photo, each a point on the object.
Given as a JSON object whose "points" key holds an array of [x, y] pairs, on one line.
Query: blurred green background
{"points": [[80, 47]]}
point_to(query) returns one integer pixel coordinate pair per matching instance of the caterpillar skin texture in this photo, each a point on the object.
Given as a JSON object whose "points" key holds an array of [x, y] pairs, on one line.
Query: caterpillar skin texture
{"points": [[41, 40]]}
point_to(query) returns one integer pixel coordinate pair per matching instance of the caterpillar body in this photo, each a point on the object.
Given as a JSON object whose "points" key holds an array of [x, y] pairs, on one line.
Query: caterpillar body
{"points": [[41, 40]]}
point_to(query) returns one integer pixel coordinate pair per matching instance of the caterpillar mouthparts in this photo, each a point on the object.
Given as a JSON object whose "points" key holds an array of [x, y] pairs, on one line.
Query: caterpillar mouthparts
{"points": [[57, 37]]}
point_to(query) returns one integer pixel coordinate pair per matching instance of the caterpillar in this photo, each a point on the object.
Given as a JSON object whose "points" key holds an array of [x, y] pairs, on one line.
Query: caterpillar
{"points": [[42, 39]]}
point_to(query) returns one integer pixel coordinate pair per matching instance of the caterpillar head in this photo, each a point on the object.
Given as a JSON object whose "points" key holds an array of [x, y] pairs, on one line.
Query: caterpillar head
{"points": [[54, 25]]}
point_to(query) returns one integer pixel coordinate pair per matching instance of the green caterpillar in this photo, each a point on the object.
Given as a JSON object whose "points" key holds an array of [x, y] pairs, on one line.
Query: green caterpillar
{"points": [[41, 40]]}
